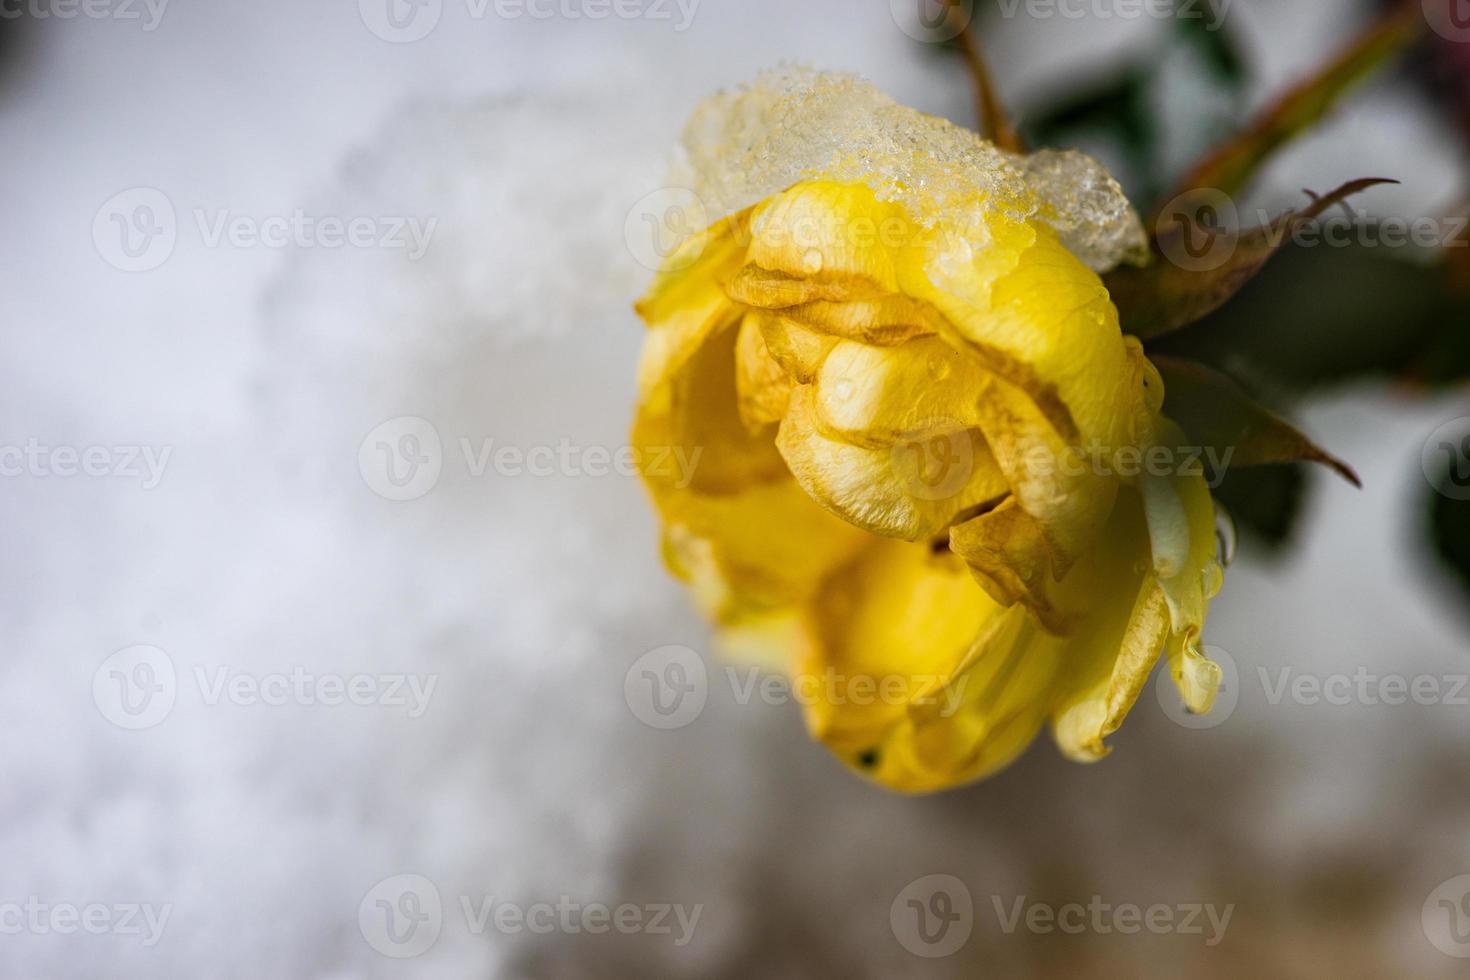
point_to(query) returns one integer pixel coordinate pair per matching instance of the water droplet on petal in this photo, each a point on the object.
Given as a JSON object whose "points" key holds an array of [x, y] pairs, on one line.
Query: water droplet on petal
{"points": [[1212, 579], [1226, 535], [938, 367]]}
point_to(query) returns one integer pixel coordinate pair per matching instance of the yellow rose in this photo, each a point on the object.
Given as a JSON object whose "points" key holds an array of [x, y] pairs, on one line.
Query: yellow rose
{"points": [[934, 483]]}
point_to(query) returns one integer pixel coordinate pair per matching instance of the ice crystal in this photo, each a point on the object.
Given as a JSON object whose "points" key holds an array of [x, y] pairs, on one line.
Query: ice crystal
{"points": [[795, 124]]}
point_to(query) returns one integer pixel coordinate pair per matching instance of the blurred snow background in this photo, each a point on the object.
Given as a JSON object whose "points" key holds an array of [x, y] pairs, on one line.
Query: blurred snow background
{"points": [[263, 829]]}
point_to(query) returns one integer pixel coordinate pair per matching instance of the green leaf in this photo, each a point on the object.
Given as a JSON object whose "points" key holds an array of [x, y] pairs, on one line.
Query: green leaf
{"points": [[1320, 316], [1449, 531], [1231, 166], [1204, 26], [1198, 265], [1222, 417]]}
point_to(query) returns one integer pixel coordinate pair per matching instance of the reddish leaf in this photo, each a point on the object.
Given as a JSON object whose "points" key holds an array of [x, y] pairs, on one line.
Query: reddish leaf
{"points": [[1224, 418], [1185, 282]]}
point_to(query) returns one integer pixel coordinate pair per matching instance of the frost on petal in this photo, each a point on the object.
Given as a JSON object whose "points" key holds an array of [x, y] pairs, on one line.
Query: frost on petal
{"points": [[1086, 208], [794, 124]]}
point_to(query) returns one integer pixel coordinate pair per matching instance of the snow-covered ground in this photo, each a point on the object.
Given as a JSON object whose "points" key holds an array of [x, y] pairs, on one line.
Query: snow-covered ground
{"points": [[246, 697]]}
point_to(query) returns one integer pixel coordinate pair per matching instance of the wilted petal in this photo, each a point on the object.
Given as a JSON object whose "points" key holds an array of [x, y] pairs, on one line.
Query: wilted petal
{"points": [[1043, 316], [1181, 526], [763, 386], [883, 322], [898, 616], [795, 347], [829, 237], [920, 681], [1068, 497], [703, 424], [759, 550], [687, 301], [1110, 657], [1097, 710], [911, 490], [983, 716], [876, 396], [1007, 552]]}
